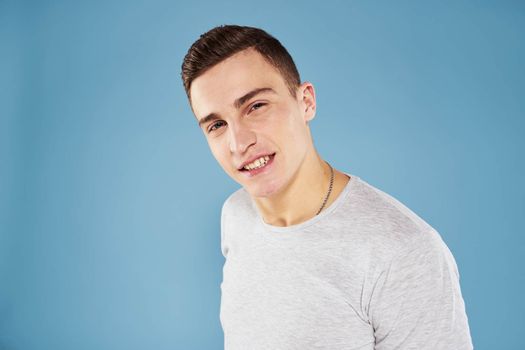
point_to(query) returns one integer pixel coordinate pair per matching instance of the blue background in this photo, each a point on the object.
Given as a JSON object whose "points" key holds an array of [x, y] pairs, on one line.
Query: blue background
{"points": [[110, 199]]}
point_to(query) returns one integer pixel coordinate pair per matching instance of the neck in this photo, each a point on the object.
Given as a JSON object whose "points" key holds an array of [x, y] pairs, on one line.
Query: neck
{"points": [[303, 196]]}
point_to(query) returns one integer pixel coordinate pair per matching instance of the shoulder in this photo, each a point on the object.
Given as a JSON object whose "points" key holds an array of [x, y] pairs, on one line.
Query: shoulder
{"points": [[236, 213], [387, 210], [237, 207], [385, 224], [238, 200]]}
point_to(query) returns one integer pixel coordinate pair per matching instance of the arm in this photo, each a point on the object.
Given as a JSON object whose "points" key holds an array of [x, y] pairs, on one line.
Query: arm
{"points": [[417, 303]]}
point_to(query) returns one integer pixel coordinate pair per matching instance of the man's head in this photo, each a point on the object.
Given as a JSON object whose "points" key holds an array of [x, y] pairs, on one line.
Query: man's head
{"points": [[245, 92], [222, 42]]}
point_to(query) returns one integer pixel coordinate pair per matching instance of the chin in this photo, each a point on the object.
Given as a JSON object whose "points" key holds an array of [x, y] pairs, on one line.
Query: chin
{"points": [[263, 191]]}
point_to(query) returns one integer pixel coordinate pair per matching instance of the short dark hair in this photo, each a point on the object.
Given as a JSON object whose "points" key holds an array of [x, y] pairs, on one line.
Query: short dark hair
{"points": [[224, 41]]}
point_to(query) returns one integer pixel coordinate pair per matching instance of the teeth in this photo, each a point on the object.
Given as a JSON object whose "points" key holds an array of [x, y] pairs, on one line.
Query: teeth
{"points": [[258, 163]]}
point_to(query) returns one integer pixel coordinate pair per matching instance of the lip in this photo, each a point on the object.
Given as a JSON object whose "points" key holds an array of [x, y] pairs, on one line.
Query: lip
{"points": [[254, 158], [264, 169]]}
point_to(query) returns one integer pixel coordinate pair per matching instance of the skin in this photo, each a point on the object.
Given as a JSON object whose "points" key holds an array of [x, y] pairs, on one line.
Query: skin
{"points": [[293, 188]]}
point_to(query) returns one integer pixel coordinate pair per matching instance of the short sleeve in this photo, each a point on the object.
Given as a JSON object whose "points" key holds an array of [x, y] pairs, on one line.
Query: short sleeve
{"points": [[416, 302]]}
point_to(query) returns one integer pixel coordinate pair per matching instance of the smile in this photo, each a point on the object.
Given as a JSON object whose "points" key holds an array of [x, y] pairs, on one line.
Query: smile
{"points": [[259, 165]]}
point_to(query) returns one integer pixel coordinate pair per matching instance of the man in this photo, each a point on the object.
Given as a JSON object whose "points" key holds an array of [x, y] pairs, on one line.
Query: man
{"points": [[316, 258]]}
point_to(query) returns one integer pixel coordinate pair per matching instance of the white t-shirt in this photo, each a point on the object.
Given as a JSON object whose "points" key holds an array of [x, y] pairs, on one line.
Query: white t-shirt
{"points": [[366, 273]]}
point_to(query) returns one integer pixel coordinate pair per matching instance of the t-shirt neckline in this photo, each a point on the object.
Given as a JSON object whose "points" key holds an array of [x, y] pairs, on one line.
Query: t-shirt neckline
{"points": [[326, 212]]}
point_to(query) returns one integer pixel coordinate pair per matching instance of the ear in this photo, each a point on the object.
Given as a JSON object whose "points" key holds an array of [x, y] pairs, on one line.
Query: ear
{"points": [[307, 102]]}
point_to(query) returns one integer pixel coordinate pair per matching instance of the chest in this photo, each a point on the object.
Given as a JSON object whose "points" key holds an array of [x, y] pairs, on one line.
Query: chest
{"points": [[311, 296]]}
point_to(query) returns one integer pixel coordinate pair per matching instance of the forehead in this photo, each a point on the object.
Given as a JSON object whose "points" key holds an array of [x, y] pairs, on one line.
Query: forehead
{"points": [[219, 86]]}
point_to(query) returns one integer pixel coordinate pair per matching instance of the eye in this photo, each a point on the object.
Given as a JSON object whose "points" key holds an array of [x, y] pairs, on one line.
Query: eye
{"points": [[256, 106], [216, 125]]}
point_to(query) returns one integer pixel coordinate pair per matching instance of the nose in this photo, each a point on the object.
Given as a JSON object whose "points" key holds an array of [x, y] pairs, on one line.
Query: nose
{"points": [[240, 138]]}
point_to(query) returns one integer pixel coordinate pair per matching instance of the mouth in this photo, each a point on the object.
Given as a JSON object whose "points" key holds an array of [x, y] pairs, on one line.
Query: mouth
{"points": [[260, 165]]}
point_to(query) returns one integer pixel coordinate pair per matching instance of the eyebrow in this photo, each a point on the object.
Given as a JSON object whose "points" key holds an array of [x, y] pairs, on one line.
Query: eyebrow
{"points": [[237, 103], [242, 100]]}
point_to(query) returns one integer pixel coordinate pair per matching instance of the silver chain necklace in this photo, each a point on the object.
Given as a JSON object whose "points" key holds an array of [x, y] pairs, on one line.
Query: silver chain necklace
{"points": [[329, 189]]}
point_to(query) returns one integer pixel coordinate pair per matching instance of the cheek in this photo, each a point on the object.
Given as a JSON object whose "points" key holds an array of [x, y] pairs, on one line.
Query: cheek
{"points": [[221, 153], [292, 131], [281, 122], [217, 152]]}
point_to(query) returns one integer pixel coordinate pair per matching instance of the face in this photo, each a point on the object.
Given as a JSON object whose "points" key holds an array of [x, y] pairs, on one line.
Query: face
{"points": [[256, 129]]}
